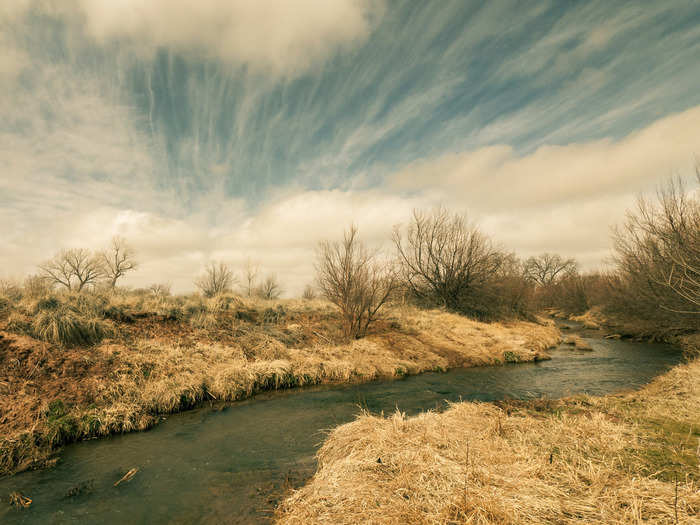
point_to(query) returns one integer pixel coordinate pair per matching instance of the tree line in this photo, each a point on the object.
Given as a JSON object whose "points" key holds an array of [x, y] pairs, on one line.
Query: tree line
{"points": [[440, 259]]}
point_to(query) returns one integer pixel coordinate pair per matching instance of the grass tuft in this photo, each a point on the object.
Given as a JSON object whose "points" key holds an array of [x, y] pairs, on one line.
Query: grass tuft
{"points": [[64, 326]]}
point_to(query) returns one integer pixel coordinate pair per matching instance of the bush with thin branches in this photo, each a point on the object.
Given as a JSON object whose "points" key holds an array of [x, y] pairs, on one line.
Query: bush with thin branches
{"points": [[270, 288], [217, 279], [657, 253], [445, 260], [352, 278]]}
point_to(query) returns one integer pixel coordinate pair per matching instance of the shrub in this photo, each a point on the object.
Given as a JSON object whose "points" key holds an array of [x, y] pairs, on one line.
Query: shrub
{"points": [[217, 279], [657, 253], [36, 286], [160, 289], [351, 278], [269, 288], [446, 261], [309, 293], [10, 289]]}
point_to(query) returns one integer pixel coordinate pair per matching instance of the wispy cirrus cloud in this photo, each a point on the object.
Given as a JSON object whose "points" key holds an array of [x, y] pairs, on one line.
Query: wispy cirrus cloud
{"points": [[235, 129]]}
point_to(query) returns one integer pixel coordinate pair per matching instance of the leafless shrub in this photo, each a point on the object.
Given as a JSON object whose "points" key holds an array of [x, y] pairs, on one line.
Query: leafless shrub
{"points": [[160, 289], [74, 269], [545, 269], [36, 286], [117, 260], [309, 293], [575, 292], [217, 279], [269, 288], [445, 260], [657, 252], [251, 277], [352, 278], [508, 293], [10, 289]]}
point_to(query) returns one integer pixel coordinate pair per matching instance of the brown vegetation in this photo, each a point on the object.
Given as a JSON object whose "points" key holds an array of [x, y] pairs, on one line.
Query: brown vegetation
{"points": [[217, 279], [79, 365], [657, 252], [445, 260], [352, 278], [618, 459], [546, 268]]}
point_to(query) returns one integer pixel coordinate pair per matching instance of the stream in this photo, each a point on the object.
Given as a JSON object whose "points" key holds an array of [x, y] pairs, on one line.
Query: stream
{"points": [[231, 463]]}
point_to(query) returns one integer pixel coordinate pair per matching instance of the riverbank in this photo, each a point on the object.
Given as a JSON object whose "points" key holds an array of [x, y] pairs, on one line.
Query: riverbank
{"points": [[623, 458], [159, 360], [594, 320]]}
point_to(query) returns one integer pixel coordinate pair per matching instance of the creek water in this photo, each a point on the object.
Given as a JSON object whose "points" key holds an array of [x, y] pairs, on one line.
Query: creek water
{"points": [[230, 463]]}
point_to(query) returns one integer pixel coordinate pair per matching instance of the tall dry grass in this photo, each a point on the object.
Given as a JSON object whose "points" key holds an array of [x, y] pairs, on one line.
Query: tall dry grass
{"points": [[618, 459]]}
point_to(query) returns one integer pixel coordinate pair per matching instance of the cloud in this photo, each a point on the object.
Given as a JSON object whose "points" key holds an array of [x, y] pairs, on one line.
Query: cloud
{"points": [[192, 128], [559, 198], [496, 178], [269, 36]]}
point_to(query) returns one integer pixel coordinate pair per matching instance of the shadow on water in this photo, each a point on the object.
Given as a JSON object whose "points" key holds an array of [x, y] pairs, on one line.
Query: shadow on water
{"points": [[229, 464]]}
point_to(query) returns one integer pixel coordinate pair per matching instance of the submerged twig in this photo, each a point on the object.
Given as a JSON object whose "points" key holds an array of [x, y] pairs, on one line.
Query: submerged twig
{"points": [[127, 476]]}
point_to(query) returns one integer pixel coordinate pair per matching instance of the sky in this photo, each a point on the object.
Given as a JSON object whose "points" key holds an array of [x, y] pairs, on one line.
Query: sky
{"points": [[228, 130]]}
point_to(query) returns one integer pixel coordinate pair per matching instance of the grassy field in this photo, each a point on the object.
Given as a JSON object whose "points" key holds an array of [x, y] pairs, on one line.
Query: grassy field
{"points": [[84, 365], [627, 458]]}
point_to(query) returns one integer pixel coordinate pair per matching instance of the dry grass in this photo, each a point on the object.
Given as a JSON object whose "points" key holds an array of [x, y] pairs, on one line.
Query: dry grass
{"points": [[167, 354], [576, 342], [592, 318], [612, 459]]}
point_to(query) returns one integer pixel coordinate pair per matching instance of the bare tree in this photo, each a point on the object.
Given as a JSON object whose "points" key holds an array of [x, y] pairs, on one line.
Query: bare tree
{"points": [[545, 269], [270, 287], [74, 269], [658, 249], [117, 260], [444, 259], [352, 278], [36, 285], [160, 289], [251, 277], [217, 279]]}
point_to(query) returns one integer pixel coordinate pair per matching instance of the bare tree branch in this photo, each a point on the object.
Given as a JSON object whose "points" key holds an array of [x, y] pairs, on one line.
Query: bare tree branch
{"points": [[75, 269], [442, 257], [350, 277], [117, 260], [217, 279]]}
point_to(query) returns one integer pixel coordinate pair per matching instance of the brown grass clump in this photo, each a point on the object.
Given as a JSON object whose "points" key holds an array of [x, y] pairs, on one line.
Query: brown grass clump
{"points": [[592, 318], [577, 343], [613, 459], [63, 326]]}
